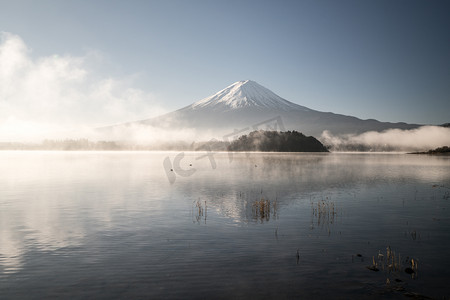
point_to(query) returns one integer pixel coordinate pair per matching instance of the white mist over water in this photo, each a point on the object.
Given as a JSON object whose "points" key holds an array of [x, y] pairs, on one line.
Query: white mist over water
{"points": [[102, 224], [419, 139]]}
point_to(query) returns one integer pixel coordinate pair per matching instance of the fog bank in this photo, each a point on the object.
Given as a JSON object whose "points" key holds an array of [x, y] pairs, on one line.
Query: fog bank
{"points": [[419, 139]]}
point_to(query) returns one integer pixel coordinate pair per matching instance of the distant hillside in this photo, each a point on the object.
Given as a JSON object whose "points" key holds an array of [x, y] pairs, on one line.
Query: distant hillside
{"points": [[275, 141]]}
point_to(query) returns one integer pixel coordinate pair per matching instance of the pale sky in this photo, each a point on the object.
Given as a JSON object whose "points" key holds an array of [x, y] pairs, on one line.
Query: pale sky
{"points": [[105, 62]]}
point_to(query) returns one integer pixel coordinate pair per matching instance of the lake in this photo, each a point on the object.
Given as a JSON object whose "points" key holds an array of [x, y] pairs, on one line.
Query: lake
{"points": [[209, 225]]}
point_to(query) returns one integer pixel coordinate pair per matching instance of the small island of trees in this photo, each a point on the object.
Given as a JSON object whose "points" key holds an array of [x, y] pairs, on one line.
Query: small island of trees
{"points": [[276, 141]]}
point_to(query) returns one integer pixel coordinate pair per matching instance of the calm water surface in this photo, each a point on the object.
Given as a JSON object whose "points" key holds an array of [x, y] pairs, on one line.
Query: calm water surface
{"points": [[123, 225]]}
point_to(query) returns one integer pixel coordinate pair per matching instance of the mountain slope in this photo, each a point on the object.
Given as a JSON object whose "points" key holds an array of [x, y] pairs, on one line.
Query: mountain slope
{"points": [[246, 103]]}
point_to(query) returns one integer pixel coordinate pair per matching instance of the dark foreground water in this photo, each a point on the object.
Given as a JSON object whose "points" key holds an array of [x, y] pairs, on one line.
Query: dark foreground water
{"points": [[249, 226]]}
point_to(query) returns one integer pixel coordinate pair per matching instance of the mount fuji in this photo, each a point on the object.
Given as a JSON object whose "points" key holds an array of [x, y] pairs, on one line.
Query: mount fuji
{"points": [[246, 103]]}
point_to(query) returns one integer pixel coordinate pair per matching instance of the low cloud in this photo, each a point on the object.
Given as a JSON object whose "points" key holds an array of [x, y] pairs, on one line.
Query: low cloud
{"points": [[47, 97], [419, 139], [136, 133]]}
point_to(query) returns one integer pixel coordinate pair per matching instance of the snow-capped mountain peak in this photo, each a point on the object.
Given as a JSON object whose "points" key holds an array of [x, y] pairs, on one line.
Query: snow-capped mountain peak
{"points": [[246, 105], [243, 94]]}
